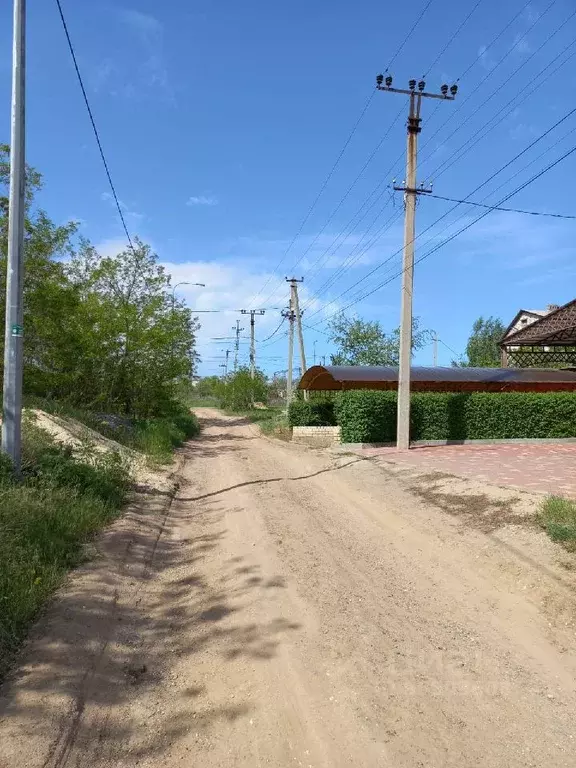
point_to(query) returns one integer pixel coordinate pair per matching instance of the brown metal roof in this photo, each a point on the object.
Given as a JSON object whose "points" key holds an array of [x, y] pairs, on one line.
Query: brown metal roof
{"points": [[320, 378]]}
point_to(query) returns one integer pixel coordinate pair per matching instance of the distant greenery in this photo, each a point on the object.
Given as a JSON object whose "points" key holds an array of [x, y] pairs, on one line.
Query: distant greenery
{"points": [[45, 519], [365, 342], [239, 391], [483, 350], [558, 518]]}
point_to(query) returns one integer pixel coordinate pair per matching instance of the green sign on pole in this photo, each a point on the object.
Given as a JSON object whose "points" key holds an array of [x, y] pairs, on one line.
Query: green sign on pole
{"points": [[17, 330]]}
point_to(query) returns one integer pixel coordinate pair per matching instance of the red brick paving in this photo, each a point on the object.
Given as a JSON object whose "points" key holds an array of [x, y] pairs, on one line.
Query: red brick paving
{"points": [[548, 468]]}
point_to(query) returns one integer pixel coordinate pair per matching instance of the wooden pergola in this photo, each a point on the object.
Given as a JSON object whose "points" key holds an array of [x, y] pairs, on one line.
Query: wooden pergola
{"points": [[549, 342]]}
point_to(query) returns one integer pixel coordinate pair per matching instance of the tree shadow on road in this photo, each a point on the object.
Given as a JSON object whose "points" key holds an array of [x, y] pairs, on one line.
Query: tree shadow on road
{"points": [[106, 661]]}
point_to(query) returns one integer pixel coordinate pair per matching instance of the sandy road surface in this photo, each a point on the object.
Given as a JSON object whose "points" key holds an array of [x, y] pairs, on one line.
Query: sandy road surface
{"points": [[292, 608]]}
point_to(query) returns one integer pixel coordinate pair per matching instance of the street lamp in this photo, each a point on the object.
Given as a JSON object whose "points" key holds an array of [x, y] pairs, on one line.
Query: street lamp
{"points": [[183, 282]]}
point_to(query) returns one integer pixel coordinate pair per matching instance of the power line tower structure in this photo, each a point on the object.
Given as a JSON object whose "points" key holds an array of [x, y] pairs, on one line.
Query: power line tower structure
{"points": [[253, 313], [411, 192], [237, 343], [295, 306]]}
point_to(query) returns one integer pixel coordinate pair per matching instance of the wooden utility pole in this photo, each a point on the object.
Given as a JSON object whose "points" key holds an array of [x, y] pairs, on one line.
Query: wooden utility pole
{"points": [[411, 191], [253, 313], [435, 348]]}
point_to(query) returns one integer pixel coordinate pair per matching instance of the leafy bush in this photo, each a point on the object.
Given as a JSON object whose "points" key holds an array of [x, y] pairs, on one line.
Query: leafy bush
{"points": [[240, 391], [369, 416], [311, 413], [45, 519]]}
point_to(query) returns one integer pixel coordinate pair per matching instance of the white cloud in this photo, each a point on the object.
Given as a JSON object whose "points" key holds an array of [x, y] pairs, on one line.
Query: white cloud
{"points": [[135, 217], [519, 242], [485, 59], [202, 200], [146, 72], [231, 287], [145, 25], [111, 247], [523, 132]]}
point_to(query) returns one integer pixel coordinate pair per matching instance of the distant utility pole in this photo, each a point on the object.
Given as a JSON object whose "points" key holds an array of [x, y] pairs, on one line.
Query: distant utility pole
{"points": [[225, 364], [411, 191], [13, 333], [237, 343], [253, 313], [435, 348], [295, 304], [314, 350]]}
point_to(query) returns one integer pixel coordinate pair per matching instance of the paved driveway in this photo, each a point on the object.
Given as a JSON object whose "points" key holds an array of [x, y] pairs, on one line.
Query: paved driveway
{"points": [[548, 468]]}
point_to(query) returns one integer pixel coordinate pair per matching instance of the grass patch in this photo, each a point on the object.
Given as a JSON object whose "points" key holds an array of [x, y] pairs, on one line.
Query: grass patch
{"points": [[155, 437], [272, 420], [46, 518], [558, 518]]}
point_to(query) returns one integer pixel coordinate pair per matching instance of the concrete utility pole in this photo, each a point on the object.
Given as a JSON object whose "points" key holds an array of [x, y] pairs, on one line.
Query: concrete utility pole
{"points": [[225, 364], [13, 333], [253, 313], [434, 348], [237, 344], [295, 304], [314, 351], [411, 191], [289, 313]]}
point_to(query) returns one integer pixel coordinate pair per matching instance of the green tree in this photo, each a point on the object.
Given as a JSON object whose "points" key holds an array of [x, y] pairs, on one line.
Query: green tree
{"points": [[365, 342], [50, 300], [482, 350], [239, 391], [138, 345], [207, 386]]}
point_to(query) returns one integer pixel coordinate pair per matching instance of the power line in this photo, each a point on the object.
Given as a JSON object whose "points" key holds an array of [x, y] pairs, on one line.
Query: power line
{"points": [[449, 348], [273, 332], [341, 202], [517, 42], [319, 195], [91, 116], [483, 184], [464, 228], [451, 39], [339, 157], [499, 208], [469, 144], [409, 35]]}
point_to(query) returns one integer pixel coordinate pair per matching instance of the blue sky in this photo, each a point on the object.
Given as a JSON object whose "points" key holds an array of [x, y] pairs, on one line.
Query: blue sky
{"points": [[221, 121]]}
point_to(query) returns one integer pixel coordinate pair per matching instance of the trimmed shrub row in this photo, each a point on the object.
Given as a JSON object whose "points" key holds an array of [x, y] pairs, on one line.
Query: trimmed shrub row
{"points": [[370, 417], [311, 413]]}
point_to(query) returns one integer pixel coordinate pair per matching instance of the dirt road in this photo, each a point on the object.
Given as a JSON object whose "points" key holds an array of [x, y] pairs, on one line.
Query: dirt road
{"points": [[293, 608]]}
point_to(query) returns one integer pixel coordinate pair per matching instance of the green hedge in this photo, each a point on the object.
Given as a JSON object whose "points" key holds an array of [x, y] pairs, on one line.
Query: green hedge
{"points": [[311, 413], [370, 417]]}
